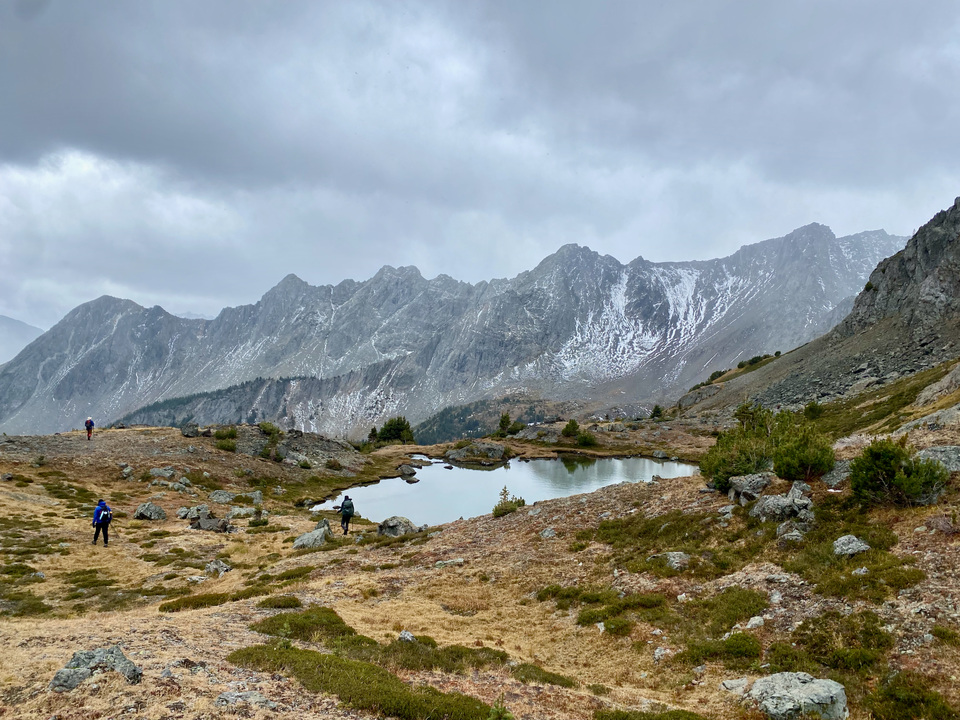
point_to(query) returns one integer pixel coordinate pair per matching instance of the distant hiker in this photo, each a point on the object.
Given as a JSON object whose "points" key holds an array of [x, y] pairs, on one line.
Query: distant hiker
{"points": [[102, 515], [346, 512], [89, 426]]}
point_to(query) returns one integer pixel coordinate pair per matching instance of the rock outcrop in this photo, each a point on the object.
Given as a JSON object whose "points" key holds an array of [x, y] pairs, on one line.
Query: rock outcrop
{"points": [[85, 663], [149, 511], [790, 696], [396, 526]]}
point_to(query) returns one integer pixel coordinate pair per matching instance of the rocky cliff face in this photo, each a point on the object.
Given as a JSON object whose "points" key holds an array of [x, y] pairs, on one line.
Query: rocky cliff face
{"points": [[576, 326]]}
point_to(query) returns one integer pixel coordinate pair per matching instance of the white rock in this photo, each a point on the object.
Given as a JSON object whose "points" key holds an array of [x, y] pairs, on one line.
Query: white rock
{"points": [[786, 696], [755, 622]]}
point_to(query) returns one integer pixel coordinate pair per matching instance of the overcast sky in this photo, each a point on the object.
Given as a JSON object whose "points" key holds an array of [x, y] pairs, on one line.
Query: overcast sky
{"points": [[190, 154]]}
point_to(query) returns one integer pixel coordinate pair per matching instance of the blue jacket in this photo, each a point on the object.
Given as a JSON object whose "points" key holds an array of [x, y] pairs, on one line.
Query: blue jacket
{"points": [[99, 510]]}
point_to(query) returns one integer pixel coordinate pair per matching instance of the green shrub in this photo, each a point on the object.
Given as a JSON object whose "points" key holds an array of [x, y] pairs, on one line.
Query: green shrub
{"points": [[360, 685], [227, 445], [333, 464], [803, 454], [305, 464], [527, 673], [280, 602], [656, 413], [227, 433], [515, 427], [268, 428], [735, 651], [907, 696], [887, 473], [586, 439], [507, 504], [813, 410], [571, 429], [946, 635]]}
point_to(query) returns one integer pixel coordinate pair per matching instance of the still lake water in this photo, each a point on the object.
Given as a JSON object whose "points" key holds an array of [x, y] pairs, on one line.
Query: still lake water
{"points": [[443, 496]]}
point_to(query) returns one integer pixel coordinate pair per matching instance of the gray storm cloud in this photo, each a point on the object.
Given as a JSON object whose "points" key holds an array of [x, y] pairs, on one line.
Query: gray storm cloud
{"points": [[191, 154]]}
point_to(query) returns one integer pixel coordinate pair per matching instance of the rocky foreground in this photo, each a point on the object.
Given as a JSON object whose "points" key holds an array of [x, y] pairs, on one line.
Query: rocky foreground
{"points": [[520, 584]]}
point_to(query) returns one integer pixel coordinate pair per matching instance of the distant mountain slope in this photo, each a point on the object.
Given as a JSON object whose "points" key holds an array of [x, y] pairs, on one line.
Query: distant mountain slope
{"points": [[906, 319], [15, 336], [579, 325]]}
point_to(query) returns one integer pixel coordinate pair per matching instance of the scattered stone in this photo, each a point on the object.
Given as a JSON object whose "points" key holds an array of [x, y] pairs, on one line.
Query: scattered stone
{"points": [[197, 579], [755, 622], [6, 477], [448, 563], [786, 696], [250, 697], [849, 545], [659, 454], [798, 490], [727, 511], [660, 653], [396, 526], [548, 533], [85, 663], [190, 430], [245, 512], [218, 567], [126, 472], [167, 472], [407, 470], [700, 670], [406, 636], [149, 511], [737, 686], [533, 512], [860, 572], [747, 488], [781, 507], [776, 597], [836, 477]]}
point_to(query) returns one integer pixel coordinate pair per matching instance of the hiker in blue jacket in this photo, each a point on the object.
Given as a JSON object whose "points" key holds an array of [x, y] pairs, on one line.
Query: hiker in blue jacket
{"points": [[89, 426], [102, 515]]}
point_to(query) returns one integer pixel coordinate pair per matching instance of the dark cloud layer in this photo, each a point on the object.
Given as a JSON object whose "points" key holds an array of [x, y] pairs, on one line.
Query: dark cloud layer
{"points": [[190, 154]]}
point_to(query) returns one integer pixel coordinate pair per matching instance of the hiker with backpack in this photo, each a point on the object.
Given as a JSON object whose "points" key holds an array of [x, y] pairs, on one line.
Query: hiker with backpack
{"points": [[89, 426], [346, 512], [102, 515]]}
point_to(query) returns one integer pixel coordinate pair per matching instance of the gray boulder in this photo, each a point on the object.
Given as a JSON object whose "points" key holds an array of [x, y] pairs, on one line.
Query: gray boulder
{"points": [[788, 696], [167, 472], [407, 470], [548, 533], [406, 636], [194, 512], [849, 545], [210, 524], [396, 526], [217, 567], [836, 477], [149, 511], [223, 497], [747, 488], [947, 455], [245, 512], [312, 539], [659, 455], [190, 430], [85, 663], [780, 507], [798, 490], [324, 524]]}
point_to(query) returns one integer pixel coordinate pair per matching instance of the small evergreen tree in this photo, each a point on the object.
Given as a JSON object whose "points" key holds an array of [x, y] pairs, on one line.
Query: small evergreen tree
{"points": [[571, 429], [656, 413], [886, 472], [372, 435], [504, 422], [397, 428]]}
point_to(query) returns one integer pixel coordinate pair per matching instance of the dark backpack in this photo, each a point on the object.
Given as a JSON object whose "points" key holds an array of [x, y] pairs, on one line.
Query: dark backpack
{"points": [[106, 516]]}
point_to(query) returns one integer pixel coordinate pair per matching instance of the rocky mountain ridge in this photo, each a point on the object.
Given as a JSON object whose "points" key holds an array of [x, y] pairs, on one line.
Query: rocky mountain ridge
{"points": [[906, 319], [345, 357]]}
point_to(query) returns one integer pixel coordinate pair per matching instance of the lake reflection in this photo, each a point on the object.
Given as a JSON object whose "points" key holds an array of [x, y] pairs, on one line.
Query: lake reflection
{"points": [[442, 495]]}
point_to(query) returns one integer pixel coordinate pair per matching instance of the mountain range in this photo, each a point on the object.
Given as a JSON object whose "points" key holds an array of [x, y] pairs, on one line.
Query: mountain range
{"points": [[338, 359]]}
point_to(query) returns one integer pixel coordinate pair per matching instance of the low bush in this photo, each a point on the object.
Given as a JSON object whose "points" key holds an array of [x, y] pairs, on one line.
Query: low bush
{"points": [[527, 673], [803, 454], [908, 696], [887, 473], [280, 602], [946, 635], [360, 685], [227, 433], [736, 651], [571, 429], [586, 439], [226, 445]]}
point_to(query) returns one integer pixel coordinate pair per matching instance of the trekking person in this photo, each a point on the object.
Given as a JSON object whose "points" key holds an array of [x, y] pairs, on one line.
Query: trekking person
{"points": [[102, 515], [89, 426], [346, 512]]}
